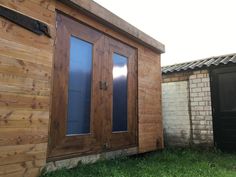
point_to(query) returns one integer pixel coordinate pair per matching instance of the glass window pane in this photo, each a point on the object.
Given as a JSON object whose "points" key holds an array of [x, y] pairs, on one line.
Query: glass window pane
{"points": [[79, 89], [227, 92], [119, 93]]}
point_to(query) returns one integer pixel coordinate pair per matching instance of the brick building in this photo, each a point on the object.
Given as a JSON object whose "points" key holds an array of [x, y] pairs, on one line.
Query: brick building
{"points": [[197, 102]]}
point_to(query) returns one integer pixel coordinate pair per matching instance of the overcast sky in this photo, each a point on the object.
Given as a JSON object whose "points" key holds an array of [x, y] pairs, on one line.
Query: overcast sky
{"points": [[190, 29]]}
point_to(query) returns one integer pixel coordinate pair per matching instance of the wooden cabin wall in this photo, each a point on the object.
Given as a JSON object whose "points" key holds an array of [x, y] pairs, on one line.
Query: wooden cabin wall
{"points": [[25, 85], [149, 101], [26, 67]]}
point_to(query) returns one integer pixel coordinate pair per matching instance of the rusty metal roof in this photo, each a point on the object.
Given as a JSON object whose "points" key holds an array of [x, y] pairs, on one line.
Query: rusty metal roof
{"points": [[199, 64]]}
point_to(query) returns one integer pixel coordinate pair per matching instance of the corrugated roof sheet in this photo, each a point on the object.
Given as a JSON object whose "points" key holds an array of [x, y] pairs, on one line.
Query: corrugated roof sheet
{"points": [[198, 64]]}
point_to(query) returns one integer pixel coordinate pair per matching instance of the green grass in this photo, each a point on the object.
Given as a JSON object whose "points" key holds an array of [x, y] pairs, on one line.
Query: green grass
{"points": [[168, 163]]}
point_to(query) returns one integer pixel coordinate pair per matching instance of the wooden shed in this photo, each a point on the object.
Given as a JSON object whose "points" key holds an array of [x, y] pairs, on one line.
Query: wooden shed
{"points": [[77, 83]]}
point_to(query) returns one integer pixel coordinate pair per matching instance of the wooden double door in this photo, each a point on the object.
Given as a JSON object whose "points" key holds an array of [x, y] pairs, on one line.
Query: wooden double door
{"points": [[94, 98], [224, 107]]}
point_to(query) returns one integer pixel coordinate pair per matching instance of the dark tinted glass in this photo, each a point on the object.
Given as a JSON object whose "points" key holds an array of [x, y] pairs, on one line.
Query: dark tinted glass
{"points": [[119, 93], [79, 89], [227, 92]]}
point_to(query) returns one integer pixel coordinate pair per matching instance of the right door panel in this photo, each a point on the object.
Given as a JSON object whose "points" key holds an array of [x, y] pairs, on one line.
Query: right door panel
{"points": [[122, 94]]}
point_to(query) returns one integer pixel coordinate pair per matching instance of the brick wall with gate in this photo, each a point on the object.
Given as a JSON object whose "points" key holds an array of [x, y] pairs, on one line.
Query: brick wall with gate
{"points": [[187, 114]]}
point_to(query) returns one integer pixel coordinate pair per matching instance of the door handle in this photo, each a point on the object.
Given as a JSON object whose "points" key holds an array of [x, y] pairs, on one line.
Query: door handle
{"points": [[100, 85], [103, 85], [106, 146]]}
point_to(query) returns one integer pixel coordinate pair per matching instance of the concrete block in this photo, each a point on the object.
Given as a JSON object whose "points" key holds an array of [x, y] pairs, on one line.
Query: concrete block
{"points": [[196, 81], [200, 75], [206, 89], [73, 162], [196, 90], [207, 79]]}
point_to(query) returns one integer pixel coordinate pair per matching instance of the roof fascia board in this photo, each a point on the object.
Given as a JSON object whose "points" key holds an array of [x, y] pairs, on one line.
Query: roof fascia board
{"points": [[111, 20]]}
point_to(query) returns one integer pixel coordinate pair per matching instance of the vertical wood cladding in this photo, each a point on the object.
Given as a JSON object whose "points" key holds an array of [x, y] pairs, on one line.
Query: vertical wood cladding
{"points": [[149, 101], [26, 61]]}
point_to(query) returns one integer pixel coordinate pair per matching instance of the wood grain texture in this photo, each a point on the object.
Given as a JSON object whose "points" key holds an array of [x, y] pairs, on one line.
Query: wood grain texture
{"points": [[20, 160], [60, 144], [25, 86], [25, 53], [26, 72], [149, 101], [120, 140], [104, 47], [149, 82], [18, 118], [31, 9], [15, 33]]}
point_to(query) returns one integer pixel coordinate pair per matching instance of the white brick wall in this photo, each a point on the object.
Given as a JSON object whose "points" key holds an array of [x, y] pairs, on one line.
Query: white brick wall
{"points": [[200, 98], [175, 113], [187, 114]]}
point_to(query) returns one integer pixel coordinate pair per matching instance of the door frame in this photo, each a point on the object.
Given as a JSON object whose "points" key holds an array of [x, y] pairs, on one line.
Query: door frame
{"points": [[52, 139]]}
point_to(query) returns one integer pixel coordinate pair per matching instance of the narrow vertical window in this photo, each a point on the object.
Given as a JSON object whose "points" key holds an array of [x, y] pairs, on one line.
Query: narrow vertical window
{"points": [[120, 72], [79, 88]]}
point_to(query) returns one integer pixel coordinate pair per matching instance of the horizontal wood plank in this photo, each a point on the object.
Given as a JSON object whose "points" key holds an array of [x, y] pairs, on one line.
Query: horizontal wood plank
{"points": [[25, 53], [24, 124], [18, 136], [19, 89], [25, 85], [27, 69], [14, 174], [18, 118], [24, 172], [47, 4], [18, 167], [12, 114], [11, 150], [24, 101]]}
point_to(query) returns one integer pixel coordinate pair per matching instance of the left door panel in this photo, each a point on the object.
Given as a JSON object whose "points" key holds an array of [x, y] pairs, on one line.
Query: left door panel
{"points": [[76, 95]]}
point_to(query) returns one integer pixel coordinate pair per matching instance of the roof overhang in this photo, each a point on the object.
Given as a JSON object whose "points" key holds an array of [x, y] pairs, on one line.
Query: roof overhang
{"points": [[207, 63], [111, 20]]}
